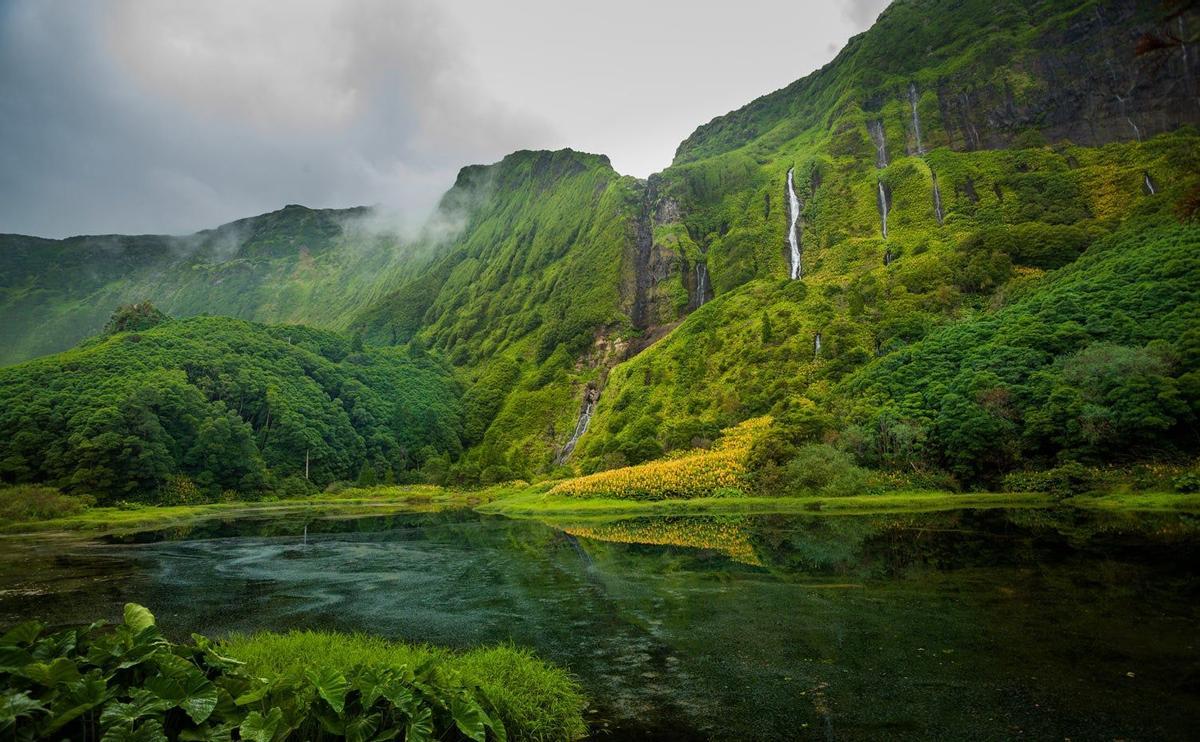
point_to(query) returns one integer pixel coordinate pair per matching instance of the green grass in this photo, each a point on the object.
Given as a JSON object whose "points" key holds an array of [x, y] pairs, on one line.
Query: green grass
{"points": [[536, 701], [348, 503], [1143, 501]]}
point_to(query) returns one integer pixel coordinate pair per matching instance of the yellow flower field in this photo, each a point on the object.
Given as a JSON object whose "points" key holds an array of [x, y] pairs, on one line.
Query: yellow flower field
{"points": [[696, 474]]}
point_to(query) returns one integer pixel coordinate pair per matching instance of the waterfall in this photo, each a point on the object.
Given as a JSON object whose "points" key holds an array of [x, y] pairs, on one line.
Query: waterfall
{"points": [[1136, 131], [916, 117], [590, 397], [1150, 190], [816, 345], [876, 129], [796, 269], [701, 284], [937, 200], [970, 132], [883, 208]]}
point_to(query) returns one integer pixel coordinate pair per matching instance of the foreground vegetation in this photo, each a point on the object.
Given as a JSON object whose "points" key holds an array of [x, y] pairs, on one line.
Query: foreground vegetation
{"points": [[131, 683]]}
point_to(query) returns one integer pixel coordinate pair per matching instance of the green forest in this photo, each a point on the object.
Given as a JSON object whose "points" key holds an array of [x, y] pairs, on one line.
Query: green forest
{"points": [[979, 298]]}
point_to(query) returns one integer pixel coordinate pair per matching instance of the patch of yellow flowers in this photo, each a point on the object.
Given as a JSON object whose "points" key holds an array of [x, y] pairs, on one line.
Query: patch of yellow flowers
{"points": [[696, 474]]}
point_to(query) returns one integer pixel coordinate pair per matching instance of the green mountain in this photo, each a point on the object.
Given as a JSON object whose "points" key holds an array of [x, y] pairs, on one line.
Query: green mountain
{"points": [[318, 266], [965, 247]]}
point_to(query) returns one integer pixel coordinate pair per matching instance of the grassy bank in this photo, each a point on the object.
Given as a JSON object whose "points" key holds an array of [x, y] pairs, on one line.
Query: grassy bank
{"points": [[520, 500], [347, 503], [1142, 501], [131, 683], [536, 503], [534, 700]]}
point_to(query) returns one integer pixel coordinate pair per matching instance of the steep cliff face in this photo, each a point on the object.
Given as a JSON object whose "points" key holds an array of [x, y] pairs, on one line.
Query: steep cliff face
{"points": [[946, 160], [987, 71], [659, 285]]}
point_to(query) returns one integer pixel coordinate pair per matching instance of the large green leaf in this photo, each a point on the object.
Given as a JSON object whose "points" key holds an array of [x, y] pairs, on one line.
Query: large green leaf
{"points": [[370, 683], [208, 733], [138, 617], [14, 659], [401, 695], [259, 728], [61, 670], [14, 705], [255, 694], [23, 633], [150, 730], [469, 718], [82, 695], [420, 726], [142, 703], [361, 727], [200, 703], [54, 646], [331, 685]]}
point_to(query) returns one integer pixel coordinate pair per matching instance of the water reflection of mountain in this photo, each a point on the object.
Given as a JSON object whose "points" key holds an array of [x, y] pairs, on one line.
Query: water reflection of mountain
{"points": [[896, 545]]}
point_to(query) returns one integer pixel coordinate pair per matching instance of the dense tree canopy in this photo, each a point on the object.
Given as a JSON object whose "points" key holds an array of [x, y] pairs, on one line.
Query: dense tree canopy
{"points": [[192, 407]]}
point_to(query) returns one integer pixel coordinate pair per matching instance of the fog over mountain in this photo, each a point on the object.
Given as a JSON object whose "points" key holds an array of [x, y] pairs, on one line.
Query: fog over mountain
{"points": [[134, 117]]}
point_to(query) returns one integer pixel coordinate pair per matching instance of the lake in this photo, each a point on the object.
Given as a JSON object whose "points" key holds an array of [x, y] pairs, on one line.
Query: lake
{"points": [[981, 624]]}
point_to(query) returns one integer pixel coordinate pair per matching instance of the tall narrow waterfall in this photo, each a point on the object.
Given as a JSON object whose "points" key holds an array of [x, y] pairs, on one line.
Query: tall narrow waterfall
{"points": [[701, 284], [590, 397], [816, 345], [883, 208], [1149, 184], [796, 270], [876, 129], [916, 117], [937, 200], [1136, 131]]}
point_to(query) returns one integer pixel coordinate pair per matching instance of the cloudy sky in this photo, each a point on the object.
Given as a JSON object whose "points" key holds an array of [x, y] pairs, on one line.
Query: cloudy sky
{"points": [[138, 116]]}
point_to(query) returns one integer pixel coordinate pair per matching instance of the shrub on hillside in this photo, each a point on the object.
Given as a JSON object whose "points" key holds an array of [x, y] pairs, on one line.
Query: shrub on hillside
{"points": [[819, 469], [35, 502]]}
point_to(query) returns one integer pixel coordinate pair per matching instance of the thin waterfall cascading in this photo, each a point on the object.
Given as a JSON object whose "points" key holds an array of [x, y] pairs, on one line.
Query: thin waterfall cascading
{"points": [[590, 397], [970, 132], [883, 208], [1136, 131], [937, 200], [1146, 181], [816, 345], [701, 284], [796, 270], [916, 117], [876, 129]]}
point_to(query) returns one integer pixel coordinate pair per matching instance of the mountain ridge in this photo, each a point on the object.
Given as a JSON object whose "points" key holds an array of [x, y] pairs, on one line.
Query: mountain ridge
{"points": [[923, 177]]}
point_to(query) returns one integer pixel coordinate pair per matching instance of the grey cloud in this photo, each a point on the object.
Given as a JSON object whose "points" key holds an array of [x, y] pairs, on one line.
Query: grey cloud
{"points": [[170, 117], [864, 12]]}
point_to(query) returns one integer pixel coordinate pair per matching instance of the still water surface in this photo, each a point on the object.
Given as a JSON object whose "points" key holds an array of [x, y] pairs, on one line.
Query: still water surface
{"points": [[980, 624]]}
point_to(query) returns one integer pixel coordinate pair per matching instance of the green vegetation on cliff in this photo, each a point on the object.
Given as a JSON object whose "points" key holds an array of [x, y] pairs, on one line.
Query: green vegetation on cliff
{"points": [[961, 169], [312, 266]]}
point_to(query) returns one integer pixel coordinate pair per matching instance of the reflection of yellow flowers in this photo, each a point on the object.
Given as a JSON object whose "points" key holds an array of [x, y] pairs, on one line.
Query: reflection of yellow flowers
{"points": [[723, 535], [692, 475]]}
